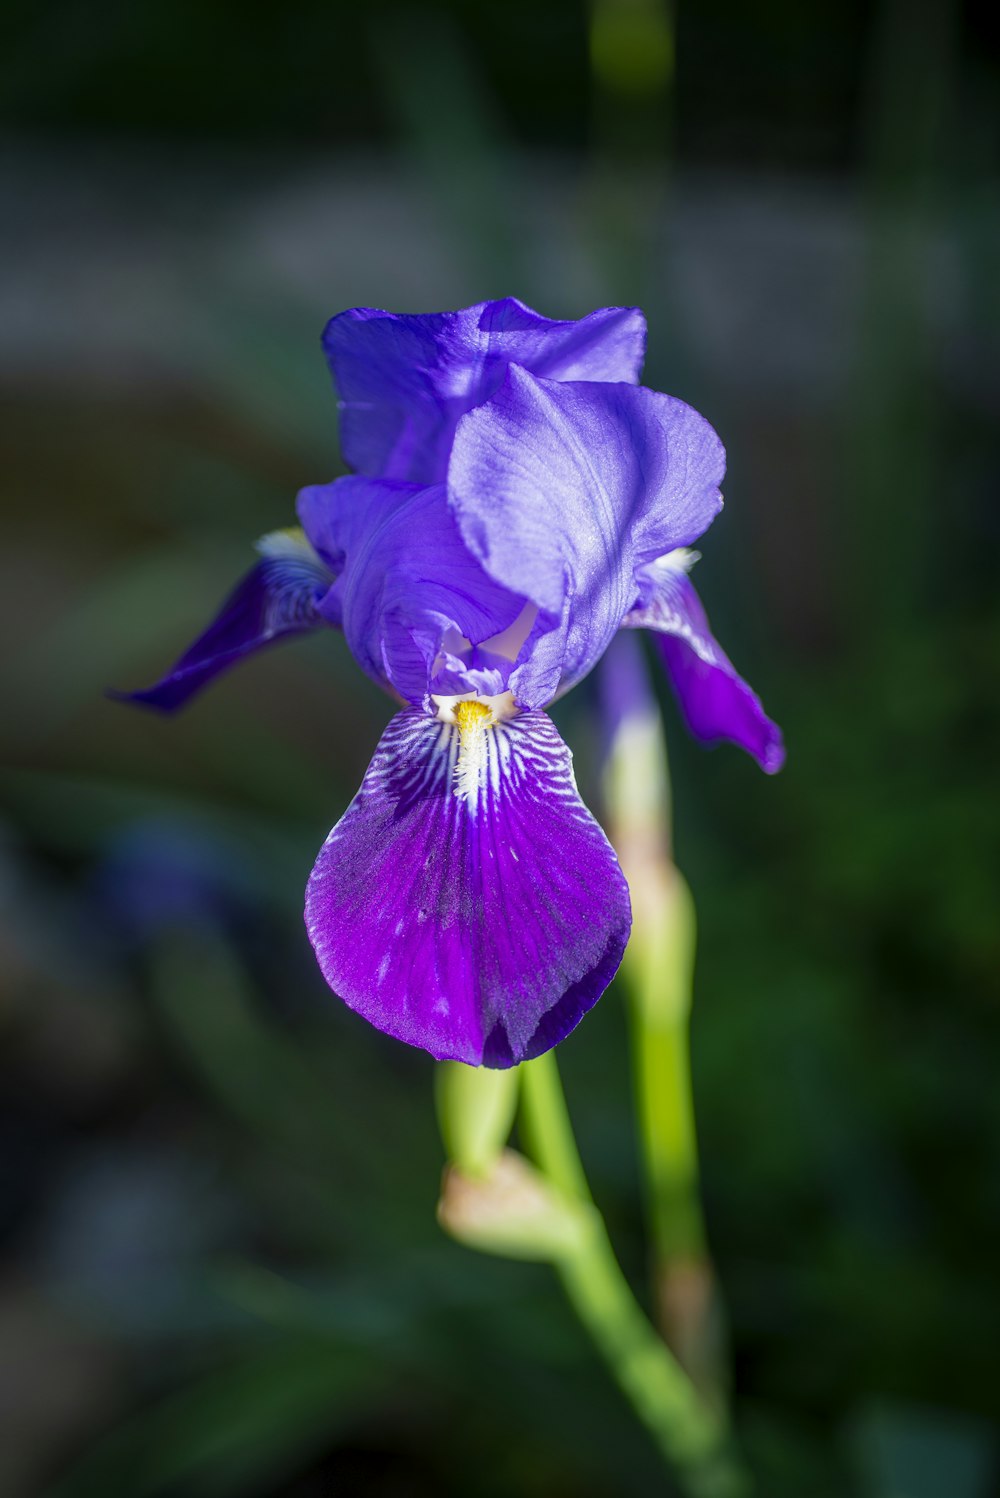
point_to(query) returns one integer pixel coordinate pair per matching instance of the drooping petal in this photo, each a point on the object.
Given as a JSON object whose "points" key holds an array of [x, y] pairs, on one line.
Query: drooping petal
{"points": [[715, 701], [563, 491], [480, 924], [410, 595], [277, 598], [404, 381]]}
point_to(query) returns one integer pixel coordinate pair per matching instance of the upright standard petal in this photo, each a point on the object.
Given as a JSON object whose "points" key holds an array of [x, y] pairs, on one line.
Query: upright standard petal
{"points": [[278, 597], [404, 381], [715, 701], [475, 910], [410, 596], [563, 491]]}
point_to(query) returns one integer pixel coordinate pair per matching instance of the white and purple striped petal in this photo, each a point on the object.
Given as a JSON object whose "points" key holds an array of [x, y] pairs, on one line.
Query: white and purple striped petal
{"points": [[477, 910], [563, 491], [715, 701], [277, 598], [405, 380]]}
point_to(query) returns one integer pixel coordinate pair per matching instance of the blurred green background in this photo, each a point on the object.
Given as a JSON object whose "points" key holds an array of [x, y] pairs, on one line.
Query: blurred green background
{"points": [[221, 1273]]}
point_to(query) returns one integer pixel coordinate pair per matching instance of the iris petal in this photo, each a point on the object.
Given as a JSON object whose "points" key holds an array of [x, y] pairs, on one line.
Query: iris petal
{"points": [[404, 381], [410, 594], [480, 928], [563, 491], [715, 701], [277, 598]]}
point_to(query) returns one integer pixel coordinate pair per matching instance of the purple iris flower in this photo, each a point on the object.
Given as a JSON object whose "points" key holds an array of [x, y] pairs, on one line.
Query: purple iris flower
{"points": [[517, 498]]}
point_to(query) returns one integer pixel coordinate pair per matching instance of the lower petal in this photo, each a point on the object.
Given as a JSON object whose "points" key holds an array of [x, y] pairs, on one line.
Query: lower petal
{"points": [[479, 921], [716, 703], [277, 598]]}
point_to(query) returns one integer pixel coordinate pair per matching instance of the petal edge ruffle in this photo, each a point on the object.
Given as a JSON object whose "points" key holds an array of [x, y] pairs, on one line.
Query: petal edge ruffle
{"points": [[404, 380]]}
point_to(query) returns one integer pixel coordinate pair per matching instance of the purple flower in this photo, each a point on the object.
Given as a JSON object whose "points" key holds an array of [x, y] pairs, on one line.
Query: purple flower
{"points": [[517, 499]]}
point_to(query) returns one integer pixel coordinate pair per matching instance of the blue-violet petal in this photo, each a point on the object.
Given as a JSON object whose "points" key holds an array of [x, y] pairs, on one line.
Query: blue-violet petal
{"points": [[562, 491], [480, 926], [277, 598], [404, 381], [715, 701], [410, 596]]}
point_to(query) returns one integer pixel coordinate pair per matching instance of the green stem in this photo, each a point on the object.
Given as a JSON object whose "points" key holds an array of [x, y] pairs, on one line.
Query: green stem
{"points": [[693, 1439], [659, 972], [667, 1122], [546, 1127]]}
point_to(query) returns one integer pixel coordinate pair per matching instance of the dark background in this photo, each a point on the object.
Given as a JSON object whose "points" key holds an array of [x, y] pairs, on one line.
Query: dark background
{"points": [[220, 1270]]}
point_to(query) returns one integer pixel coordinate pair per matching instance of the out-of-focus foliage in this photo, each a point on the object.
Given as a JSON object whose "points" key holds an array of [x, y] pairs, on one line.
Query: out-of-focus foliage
{"points": [[221, 1272]]}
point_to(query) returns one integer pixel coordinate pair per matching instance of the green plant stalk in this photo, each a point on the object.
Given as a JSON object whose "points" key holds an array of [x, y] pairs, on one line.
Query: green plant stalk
{"points": [[476, 1109], [693, 1439], [658, 971]]}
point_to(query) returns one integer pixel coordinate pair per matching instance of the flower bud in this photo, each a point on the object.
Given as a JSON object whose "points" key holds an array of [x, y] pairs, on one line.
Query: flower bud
{"points": [[513, 1211]]}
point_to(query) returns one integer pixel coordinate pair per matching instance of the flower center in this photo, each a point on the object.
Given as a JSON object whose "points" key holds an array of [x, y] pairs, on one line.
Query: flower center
{"points": [[474, 717]]}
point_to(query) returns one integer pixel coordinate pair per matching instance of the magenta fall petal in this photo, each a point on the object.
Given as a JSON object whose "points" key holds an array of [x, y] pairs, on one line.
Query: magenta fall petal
{"points": [[482, 930]]}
